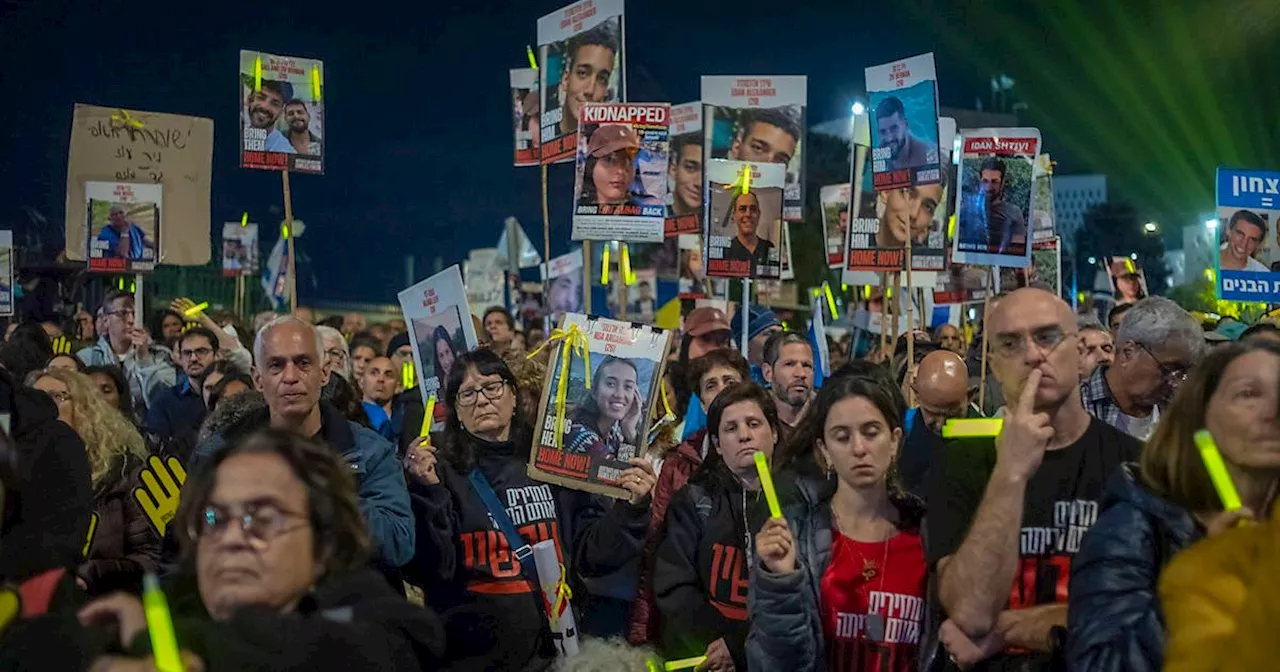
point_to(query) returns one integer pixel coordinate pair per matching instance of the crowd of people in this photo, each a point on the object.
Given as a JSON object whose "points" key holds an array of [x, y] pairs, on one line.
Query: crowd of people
{"points": [[276, 478]]}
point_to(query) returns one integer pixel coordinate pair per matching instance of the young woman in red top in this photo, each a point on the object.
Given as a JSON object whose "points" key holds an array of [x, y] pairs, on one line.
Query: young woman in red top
{"points": [[839, 581]]}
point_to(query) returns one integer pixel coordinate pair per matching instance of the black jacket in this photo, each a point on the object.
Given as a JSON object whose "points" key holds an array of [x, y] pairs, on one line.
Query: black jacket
{"points": [[350, 622], [49, 523], [493, 617], [701, 575], [124, 544], [1113, 611]]}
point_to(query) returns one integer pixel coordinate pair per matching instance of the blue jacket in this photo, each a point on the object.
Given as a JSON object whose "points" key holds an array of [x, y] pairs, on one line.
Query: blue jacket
{"points": [[384, 499], [176, 411], [145, 380], [1114, 620]]}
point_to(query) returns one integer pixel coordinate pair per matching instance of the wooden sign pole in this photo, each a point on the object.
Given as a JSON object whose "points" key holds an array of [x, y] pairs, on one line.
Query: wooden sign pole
{"points": [[288, 224]]}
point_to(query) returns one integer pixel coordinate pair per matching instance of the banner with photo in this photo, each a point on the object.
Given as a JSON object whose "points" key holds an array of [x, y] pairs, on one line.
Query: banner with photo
{"points": [[693, 282], [1127, 279], [122, 225], [1045, 270], [684, 171], [281, 112], [486, 282], [995, 197], [759, 120], [440, 328], [6, 273], [873, 245], [621, 179], [743, 228], [580, 52], [565, 287], [1248, 217], [904, 123], [835, 221], [525, 104], [115, 145], [604, 424], [239, 249], [1042, 218]]}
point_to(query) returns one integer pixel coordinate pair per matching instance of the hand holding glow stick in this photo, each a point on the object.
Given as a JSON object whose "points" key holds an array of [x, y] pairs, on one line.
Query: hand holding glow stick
{"points": [[1217, 470], [685, 663], [766, 484], [164, 644], [427, 416]]}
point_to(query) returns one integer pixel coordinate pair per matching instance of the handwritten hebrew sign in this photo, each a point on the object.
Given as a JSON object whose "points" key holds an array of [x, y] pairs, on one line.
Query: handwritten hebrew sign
{"points": [[114, 145]]}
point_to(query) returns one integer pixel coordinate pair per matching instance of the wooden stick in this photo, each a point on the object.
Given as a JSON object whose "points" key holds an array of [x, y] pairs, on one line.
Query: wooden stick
{"points": [[546, 243], [982, 384], [895, 311], [288, 222], [884, 310], [911, 339]]}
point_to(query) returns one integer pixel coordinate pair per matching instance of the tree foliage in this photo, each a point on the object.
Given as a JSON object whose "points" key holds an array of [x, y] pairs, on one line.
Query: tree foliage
{"points": [[1115, 230]]}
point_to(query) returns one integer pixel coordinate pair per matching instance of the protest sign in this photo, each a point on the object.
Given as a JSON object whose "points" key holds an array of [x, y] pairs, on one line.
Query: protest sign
{"points": [[1128, 280], [586, 434], [239, 249], [565, 290], [995, 196], [440, 329], [127, 146], [621, 178], [684, 171], [1044, 271], [122, 224], [693, 282], [759, 120], [904, 123], [275, 275], [281, 112], [485, 281], [743, 229], [580, 49], [835, 221], [642, 296], [1042, 219], [524, 116], [6, 273], [1248, 209], [879, 223]]}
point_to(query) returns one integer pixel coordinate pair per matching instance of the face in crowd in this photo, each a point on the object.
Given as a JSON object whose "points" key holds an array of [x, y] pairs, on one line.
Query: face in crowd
{"points": [[290, 372], [379, 380]]}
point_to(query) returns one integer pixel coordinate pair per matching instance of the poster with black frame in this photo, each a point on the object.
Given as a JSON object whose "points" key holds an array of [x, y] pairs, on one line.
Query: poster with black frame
{"points": [[602, 419]]}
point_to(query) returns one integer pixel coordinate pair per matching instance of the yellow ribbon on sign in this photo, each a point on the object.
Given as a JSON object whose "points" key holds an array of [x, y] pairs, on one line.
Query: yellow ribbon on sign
{"points": [[122, 118], [563, 594], [571, 340]]}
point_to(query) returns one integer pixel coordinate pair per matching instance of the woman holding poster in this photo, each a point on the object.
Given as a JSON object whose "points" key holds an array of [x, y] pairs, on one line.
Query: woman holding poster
{"points": [[610, 415]]}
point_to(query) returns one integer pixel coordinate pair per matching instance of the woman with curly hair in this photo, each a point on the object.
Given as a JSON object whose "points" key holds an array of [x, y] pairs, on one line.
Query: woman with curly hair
{"points": [[123, 543]]}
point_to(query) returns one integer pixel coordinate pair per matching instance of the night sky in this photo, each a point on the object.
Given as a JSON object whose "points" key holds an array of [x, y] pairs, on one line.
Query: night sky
{"points": [[418, 146]]}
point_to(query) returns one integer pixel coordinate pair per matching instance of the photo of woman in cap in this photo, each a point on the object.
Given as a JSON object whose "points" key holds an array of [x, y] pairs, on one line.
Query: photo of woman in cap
{"points": [[1128, 281], [609, 173], [609, 416]]}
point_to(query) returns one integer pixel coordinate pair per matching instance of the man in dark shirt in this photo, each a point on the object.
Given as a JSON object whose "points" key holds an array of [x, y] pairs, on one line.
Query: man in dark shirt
{"points": [[1009, 514], [748, 245], [941, 389], [178, 411]]}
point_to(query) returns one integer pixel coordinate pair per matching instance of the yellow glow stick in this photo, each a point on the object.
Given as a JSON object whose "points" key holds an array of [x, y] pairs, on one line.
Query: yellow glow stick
{"points": [[196, 309], [1217, 471], [1128, 266], [533, 62], [257, 74], [428, 415], [604, 264], [766, 484], [685, 663], [284, 231], [406, 375], [831, 300], [746, 179], [164, 644], [627, 277], [971, 428], [244, 220], [315, 82]]}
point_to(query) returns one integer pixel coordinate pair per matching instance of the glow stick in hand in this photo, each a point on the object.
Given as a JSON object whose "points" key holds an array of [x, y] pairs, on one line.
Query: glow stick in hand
{"points": [[766, 484], [164, 644], [427, 416], [687, 663], [1217, 470]]}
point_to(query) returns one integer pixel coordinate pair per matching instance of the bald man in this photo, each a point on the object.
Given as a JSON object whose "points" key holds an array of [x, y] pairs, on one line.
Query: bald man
{"points": [[941, 388], [1007, 514]]}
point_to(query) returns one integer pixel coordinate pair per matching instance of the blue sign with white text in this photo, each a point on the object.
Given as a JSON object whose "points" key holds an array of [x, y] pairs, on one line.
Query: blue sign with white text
{"points": [[1248, 260]]}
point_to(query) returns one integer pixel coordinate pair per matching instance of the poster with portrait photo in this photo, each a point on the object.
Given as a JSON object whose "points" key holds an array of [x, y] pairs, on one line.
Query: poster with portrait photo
{"points": [[440, 329], [621, 177], [581, 61], [1128, 280], [1248, 221], [607, 424], [995, 197], [281, 113], [684, 171], [239, 249], [1045, 270], [1042, 219], [835, 221], [123, 226], [525, 103], [743, 229], [564, 285], [759, 120], [642, 295], [693, 282], [6, 273], [904, 123], [485, 281]]}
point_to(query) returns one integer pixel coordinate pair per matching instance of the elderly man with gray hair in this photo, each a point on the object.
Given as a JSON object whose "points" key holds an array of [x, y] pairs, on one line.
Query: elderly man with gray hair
{"points": [[1157, 343]]}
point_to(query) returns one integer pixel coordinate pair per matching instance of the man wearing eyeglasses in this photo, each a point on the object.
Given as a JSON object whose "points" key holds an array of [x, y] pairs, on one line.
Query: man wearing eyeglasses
{"points": [[290, 372], [147, 366], [1007, 513], [1155, 346], [176, 412]]}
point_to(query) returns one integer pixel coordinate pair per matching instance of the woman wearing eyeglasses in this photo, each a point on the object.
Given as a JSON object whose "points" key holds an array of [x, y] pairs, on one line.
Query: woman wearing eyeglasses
{"points": [[496, 618], [122, 543], [274, 572]]}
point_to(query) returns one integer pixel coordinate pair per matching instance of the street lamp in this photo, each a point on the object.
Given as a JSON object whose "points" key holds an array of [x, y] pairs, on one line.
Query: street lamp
{"points": [[1211, 223], [859, 108], [1150, 227]]}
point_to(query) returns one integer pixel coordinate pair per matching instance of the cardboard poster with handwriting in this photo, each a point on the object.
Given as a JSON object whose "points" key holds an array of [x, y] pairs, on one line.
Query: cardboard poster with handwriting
{"points": [[174, 151]]}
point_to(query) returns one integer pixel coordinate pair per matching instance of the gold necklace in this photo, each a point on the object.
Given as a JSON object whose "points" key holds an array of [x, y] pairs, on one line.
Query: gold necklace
{"points": [[870, 569]]}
